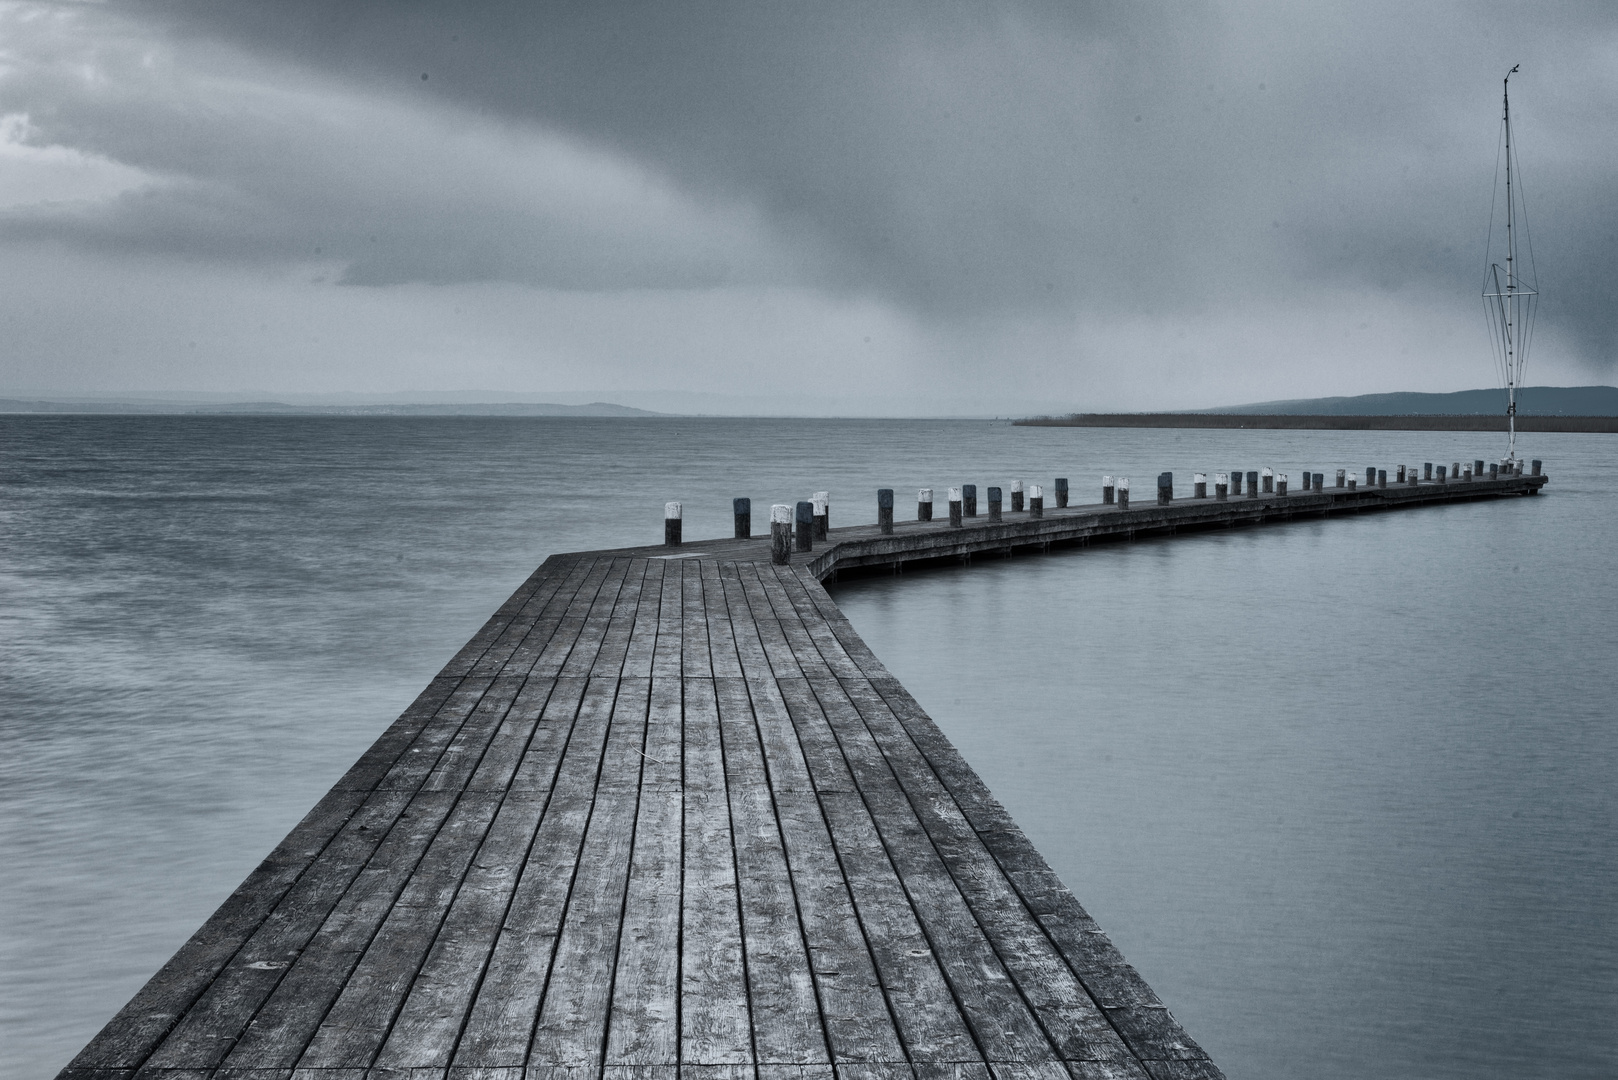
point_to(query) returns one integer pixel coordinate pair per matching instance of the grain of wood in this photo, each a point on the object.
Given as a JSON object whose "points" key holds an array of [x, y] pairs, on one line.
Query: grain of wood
{"points": [[609, 660], [642, 647], [537, 619], [581, 661]]}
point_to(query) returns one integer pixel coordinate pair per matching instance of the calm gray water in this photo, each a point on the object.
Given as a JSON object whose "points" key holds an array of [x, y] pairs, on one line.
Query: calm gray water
{"points": [[1342, 790]]}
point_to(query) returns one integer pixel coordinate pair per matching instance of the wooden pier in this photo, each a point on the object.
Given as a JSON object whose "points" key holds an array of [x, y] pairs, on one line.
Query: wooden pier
{"points": [[665, 817]]}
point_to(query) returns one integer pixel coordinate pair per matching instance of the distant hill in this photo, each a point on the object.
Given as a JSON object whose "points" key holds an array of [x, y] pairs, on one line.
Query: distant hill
{"points": [[276, 408], [1531, 401]]}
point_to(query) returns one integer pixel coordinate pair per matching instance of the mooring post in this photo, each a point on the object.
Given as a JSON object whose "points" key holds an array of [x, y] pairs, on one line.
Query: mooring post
{"points": [[743, 509], [1269, 481], [780, 534], [822, 504], [924, 504], [1305, 485], [994, 504], [1538, 465], [1061, 492], [1466, 472], [1236, 482], [1199, 485], [1320, 482], [1411, 478], [1400, 478], [1036, 500], [955, 508], [1106, 489], [1281, 484], [1427, 470], [1341, 474], [1221, 486], [969, 500], [1252, 484], [884, 509], [1441, 478], [1016, 496], [1370, 476], [1353, 482], [671, 524], [1165, 488], [1494, 470], [1477, 469], [1455, 471], [1382, 478], [806, 526], [1123, 493]]}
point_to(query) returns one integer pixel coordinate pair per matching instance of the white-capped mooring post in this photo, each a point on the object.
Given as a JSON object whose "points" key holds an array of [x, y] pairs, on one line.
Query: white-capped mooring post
{"points": [[822, 505], [924, 504], [955, 507], [671, 524], [1221, 486], [1123, 493], [780, 534], [1107, 489], [1036, 501]]}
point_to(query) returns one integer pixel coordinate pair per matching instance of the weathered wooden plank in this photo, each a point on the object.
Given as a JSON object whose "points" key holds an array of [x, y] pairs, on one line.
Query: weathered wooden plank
{"points": [[662, 751], [833, 653], [755, 663], [585, 622], [1000, 1017], [783, 665], [572, 1024], [828, 768], [411, 768], [498, 1027], [284, 1025], [549, 740], [428, 1025], [372, 765], [539, 613], [854, 1010], [597, 621], [609, 660], [141, 1025], [1148, 1030], [211, 1026], [1046, 982], [546, 647], [667, 655], [511, 739], [465, 751], [359, 1020], [626, 753], [804, 650], [551, 570], [642, 648], [695, 659], [644, 1028], [715, 1024], [716, 615], [852, 643]]}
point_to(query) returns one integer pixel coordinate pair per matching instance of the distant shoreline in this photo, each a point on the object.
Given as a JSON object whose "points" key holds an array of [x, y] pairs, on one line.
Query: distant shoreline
{"points": [[1276, 421]]}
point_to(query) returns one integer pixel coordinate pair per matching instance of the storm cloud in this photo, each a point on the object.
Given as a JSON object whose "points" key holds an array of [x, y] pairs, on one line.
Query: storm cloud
{"points": [[1073, 205]]}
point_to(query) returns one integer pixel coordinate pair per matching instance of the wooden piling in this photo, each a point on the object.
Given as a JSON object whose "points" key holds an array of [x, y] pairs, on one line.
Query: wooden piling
{"points": [[1123, 493], [884, 509], [822, 506], [1221, 486], [1016, 497], [780, 534], [1107, 488], [969, 500], [671, 524], [1199, 485], [743, 509], [1281, 484], [1036, 501], [924, 504], [1165, 488], [806, 526], [955, 509], [1061, 492], [1268, 479], [994, 504], [1252, 484]]}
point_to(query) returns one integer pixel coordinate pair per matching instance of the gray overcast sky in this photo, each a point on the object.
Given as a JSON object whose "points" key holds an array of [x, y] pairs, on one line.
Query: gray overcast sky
{"points": [[895, 207]]}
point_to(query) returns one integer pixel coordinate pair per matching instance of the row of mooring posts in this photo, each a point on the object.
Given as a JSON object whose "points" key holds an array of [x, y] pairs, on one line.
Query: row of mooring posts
{"points": [[797, 527]]}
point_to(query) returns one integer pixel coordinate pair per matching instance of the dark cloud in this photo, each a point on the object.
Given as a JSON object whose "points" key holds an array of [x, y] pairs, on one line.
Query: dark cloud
{"points": [[963, 161]]}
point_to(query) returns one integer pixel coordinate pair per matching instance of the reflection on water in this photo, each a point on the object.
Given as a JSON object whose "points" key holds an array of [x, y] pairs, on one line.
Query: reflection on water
{"points": [[1289, 769]]}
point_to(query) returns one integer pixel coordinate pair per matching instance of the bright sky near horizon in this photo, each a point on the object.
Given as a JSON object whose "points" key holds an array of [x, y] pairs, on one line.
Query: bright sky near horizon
{"points": [[899, 208]]}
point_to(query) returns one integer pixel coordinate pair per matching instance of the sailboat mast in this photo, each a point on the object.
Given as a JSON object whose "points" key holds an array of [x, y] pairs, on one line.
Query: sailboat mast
{"points": [[1511, 284]]}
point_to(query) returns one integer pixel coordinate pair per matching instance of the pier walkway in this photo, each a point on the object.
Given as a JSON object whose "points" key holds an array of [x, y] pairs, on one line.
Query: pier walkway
{"points": [[665, 817]]}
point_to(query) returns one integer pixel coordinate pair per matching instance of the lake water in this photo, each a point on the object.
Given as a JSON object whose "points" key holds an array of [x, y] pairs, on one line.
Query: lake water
{"points": [[1342, 790]]}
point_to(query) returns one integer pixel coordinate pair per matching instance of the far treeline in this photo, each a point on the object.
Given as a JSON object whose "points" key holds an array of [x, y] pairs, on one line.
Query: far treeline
{"points": [[1539, 408]]}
